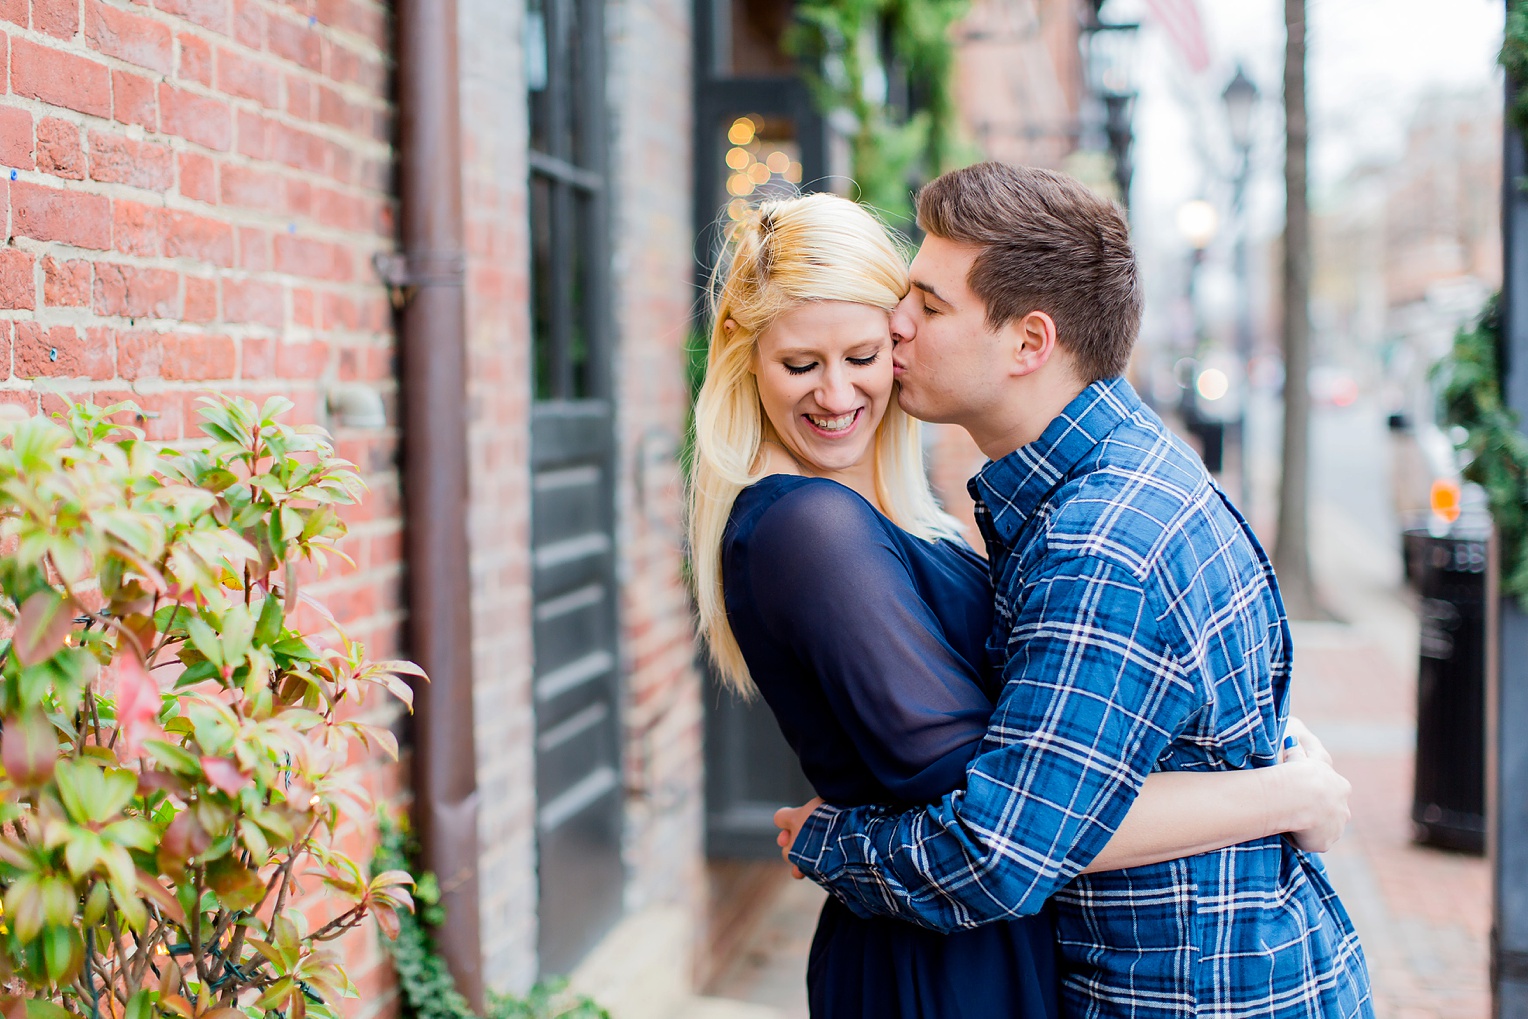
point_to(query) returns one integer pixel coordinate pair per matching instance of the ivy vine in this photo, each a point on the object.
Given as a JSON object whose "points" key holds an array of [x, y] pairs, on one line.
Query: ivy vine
{"points": [[429, 992], [1514, 60], [1497, 450], [840, 43]]}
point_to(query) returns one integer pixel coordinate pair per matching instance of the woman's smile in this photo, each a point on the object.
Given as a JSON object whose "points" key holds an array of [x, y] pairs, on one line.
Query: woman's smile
{"points": [[834, 427]]}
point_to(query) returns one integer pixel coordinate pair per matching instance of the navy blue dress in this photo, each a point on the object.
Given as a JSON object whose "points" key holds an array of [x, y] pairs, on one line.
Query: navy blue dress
{"points": [[868, 644]]}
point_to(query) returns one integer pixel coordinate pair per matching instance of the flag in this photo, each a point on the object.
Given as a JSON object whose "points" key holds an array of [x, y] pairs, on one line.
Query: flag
{"points": [[1180, 19]]}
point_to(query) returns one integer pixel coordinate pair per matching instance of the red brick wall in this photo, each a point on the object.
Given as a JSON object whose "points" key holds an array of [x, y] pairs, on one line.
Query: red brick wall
{"points": [[190, 192]]}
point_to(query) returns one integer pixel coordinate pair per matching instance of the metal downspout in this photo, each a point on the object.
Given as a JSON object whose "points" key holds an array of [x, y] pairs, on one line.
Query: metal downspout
{"points": [[432, 381]]}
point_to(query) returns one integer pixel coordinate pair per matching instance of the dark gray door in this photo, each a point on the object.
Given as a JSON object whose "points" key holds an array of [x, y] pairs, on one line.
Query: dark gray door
{"points": [[578, 759]]}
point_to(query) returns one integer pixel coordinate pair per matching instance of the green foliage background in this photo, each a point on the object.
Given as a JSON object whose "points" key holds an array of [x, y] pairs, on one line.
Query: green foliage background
{"points": [[836, 42], [1498, 451]]}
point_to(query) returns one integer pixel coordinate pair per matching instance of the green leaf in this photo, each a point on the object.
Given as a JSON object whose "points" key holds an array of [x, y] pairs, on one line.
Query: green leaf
{"points": [[91, 794], [141, 1005], [133, 833], [205, 640], [175, 759], [238, 628], [268, 627], [64, 953], [42, 1008], [24, 906]]}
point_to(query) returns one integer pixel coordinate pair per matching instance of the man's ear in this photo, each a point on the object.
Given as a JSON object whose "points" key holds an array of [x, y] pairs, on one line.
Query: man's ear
{"points": [[1032, 340]]}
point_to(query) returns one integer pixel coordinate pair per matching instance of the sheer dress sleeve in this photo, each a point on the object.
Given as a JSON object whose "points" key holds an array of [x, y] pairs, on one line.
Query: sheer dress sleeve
{"points": [[828, 582]]}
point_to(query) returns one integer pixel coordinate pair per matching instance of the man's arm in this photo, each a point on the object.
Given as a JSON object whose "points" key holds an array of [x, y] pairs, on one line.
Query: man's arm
{"points": [[1092, 695]]}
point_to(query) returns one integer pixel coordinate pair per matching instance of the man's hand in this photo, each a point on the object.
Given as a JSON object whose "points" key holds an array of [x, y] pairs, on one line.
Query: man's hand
{"points": [[789, 820]]}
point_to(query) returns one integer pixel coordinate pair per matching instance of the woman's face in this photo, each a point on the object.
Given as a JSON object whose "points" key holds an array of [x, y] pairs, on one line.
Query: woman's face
{"points": [[825, 378]]}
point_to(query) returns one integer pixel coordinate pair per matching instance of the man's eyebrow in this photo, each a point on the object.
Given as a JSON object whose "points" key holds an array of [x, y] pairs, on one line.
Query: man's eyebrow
{"points": [[931, 292]]}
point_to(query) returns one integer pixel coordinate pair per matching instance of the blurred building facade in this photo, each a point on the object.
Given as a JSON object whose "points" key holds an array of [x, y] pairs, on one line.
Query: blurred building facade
{"points": [[1407, 250]]}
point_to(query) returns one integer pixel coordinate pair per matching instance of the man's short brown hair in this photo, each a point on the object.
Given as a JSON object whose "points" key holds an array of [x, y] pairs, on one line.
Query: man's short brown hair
{"points": [[1047, 244]]}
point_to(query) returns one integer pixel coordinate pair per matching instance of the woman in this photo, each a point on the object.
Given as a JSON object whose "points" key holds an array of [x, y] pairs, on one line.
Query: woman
{"points": [[829, 580]]}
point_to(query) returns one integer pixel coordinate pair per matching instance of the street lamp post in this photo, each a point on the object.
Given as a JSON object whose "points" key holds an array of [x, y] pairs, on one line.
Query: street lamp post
{"points": [[1198, 223], [1109, 64], [1240, 98]]}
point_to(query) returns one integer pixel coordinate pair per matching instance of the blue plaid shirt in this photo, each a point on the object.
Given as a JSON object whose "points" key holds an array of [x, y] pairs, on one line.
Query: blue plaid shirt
{"points": [[1138, 628]]}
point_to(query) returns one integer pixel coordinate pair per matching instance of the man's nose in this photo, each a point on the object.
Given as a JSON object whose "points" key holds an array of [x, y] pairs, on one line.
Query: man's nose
{"points": [[902, 327]]}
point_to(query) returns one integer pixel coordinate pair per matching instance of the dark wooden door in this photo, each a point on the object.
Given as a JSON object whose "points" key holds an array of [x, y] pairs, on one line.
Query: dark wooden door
{"points": [[576, 684]]}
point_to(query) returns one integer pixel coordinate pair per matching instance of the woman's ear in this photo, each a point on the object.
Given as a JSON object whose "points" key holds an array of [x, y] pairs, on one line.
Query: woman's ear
{"points": [[1033, 339]]}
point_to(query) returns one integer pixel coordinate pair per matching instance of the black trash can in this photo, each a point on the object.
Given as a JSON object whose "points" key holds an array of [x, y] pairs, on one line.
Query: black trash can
{"points": [[1449, 804]]}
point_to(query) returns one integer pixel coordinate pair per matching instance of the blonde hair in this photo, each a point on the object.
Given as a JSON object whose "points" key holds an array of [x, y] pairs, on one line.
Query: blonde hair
{"points": [[780, 255]]}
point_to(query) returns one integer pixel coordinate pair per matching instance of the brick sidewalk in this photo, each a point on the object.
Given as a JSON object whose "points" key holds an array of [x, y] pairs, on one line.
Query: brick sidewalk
{"points": [[1423, 914]]}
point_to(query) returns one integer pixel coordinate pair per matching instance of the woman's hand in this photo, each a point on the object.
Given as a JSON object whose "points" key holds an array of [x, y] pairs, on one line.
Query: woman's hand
{"points": [[789, 820], [1306, 740], [1309, 800]]}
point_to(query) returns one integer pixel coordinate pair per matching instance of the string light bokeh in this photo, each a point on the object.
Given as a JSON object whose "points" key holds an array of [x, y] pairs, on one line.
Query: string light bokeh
{"points": [[764, 160]]}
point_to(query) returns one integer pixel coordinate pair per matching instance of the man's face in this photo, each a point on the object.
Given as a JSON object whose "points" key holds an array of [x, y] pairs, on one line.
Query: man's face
{"points": [[949, 362]]}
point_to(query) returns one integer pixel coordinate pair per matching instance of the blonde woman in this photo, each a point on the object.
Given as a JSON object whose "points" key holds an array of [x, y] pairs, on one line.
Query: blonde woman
{"points": [[830, 583]]}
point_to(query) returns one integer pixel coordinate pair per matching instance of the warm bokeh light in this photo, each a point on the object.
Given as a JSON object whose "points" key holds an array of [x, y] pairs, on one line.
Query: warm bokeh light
{"points": [[1197, 222], [738, 158], [1212, 384], [1445, 499], [736, 209], [739, 184], [758, 173], [778, 162], [793, 173], [742, 131]]}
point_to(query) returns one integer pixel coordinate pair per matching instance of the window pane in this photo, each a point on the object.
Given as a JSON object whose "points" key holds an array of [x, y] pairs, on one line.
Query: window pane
{"points": [[587, 94], [542, 302], [586, 299], [537, 71]]}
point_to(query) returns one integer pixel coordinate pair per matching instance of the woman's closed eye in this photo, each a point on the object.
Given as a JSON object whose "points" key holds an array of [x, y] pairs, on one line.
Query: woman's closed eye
{"points": [[862, 362], [929, 311]]}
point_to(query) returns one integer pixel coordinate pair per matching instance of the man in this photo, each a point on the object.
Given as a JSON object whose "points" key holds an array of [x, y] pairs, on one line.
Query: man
{"points": [[1138, 628]]}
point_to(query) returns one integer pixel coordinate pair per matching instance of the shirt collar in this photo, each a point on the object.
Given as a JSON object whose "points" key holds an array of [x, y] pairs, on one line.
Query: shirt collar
{"points": [[1013, 487]]}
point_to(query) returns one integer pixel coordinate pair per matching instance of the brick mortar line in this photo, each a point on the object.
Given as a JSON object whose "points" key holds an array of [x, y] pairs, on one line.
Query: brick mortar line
{"points": [[174, 200], [80, 44]]}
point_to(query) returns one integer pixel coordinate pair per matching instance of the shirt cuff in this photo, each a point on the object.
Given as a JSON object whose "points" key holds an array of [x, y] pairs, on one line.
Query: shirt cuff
{"points": [[810, 847]]}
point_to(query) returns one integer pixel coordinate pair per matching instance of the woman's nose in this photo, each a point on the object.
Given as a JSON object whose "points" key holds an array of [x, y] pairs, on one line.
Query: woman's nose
{"points": [[836, 393]]}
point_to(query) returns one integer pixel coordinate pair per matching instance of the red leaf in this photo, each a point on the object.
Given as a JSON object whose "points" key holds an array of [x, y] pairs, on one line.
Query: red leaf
{"points": [[185, 838], [138, 705], [42, 625], [387, 920], [149, 885], [29, 749], [224, 774]]}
